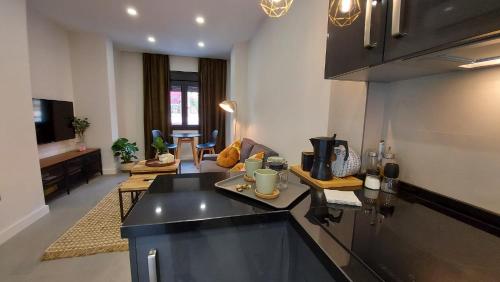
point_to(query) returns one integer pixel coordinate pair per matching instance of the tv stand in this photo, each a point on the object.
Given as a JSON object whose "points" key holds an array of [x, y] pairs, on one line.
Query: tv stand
{"points": [[65, 170]]}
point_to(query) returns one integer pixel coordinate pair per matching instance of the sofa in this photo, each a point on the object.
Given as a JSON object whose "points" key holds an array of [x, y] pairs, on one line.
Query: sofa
{"points": [[248, 148]]}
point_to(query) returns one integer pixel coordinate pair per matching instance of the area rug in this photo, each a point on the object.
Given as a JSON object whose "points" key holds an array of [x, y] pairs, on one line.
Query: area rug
{"points": [[97, 232]]}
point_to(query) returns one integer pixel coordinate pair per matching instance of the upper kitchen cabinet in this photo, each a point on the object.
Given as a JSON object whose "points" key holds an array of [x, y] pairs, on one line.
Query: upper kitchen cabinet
{"points": [[415, 26], [356, 32], [400, 39]]}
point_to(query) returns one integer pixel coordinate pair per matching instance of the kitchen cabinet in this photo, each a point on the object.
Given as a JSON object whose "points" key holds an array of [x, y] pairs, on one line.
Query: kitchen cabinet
{"points": [[256, 252], [397, 30], [358, 45], [415, 26]]}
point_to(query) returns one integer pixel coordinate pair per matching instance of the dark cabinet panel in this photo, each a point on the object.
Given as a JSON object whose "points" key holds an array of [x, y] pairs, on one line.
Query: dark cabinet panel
{"points": [[359, 44], [256, 252], [422, 25]]}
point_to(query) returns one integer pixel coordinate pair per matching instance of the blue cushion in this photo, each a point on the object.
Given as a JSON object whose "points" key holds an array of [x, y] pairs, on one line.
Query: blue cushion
{"points": [[171, 146], [205, 146]]}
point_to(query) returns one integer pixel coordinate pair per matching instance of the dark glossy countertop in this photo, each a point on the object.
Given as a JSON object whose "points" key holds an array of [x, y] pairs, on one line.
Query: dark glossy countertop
{"points": [[405, 238], [182, 202], [393, 238]]}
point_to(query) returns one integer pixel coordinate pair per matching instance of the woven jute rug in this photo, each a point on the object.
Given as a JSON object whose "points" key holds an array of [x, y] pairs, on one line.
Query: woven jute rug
{"points": [[97, 232]]}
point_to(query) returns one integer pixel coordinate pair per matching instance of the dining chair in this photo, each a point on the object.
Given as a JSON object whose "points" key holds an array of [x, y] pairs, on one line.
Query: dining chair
{"points": [[209, 146], [157, 133]]}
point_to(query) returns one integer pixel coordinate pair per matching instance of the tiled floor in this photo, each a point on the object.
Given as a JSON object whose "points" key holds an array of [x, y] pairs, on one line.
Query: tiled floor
{"points": [[20, 256]]}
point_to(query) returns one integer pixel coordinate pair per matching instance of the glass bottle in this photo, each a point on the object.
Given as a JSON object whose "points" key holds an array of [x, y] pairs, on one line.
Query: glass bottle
{"points": [[282, 169], [372, 164]]}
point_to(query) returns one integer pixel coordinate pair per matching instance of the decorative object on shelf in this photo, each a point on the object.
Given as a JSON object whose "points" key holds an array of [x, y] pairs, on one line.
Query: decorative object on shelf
{"points": [[157, 163], [166, 158], [126, 151], [159, 145], [231, 107], [276, 8], [80, 125], [342, 167], [344, 12]]}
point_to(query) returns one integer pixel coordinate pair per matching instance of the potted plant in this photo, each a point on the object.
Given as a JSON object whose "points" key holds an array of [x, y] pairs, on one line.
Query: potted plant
{"points": [[80, 125], [126, 151], [159, 146]]}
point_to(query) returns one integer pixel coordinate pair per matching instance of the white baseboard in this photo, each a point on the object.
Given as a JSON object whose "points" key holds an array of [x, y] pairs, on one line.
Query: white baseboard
{"points": [[109, 171], [22, 223]]}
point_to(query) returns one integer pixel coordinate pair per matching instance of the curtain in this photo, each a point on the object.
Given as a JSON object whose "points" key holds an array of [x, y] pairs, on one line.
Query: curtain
{"points": [[212, 79], [156, 73]]}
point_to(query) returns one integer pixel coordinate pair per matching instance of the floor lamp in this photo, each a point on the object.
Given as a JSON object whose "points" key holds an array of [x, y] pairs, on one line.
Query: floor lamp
{"points": [[231, 107]]}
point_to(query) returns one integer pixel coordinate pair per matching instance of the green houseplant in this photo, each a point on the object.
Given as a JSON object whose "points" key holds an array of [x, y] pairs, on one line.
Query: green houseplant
{"points": [[81, 125], [159, 146], [126, 151]]}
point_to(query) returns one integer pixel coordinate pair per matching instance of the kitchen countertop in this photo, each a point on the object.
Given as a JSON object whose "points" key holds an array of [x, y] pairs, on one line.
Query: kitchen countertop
{"points": [[177, 203], [393, 238], [404, 238]]}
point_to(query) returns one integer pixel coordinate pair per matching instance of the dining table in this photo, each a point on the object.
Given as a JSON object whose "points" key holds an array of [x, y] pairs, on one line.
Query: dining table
{"points": [[186, 137]]}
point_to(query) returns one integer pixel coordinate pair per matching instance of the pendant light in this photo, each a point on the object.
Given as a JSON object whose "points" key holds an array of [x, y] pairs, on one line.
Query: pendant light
{"points": [[344, 12], [275, 8]]}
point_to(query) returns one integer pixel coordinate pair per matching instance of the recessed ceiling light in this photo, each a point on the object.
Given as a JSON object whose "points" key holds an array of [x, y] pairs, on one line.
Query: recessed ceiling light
{"points": [[201, 44], [132, 11], [200, 20], [151, 39]]}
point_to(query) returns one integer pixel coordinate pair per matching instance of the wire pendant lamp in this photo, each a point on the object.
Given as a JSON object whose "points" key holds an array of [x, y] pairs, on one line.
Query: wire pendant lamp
{"points": [[344, 12], [276, 8]]}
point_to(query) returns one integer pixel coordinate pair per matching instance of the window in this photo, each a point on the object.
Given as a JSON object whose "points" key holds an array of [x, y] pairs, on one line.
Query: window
{"points": [[184, 100]]}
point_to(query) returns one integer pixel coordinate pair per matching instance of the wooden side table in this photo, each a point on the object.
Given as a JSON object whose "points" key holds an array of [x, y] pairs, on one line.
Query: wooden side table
{"points": [[141, 168], [135, 186]]}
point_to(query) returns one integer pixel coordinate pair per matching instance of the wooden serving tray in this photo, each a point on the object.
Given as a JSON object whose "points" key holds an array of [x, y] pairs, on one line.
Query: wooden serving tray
{"points": [[349, 183]]}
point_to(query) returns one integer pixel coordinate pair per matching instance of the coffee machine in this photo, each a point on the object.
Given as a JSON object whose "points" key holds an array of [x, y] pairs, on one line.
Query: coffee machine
{"points": [[323, 153]]}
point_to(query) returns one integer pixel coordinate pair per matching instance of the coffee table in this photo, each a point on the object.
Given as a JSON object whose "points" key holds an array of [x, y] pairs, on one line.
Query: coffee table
{"points": [[141, 168], [135, 185]]}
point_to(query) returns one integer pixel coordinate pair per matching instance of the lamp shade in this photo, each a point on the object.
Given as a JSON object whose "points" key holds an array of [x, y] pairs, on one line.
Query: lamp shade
{"points": [[228, 106]]}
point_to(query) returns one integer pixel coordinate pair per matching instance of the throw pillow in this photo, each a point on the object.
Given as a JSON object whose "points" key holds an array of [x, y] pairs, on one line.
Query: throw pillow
{"points": [[246, 147], [238, 167], [229, 156], [258, 156]]}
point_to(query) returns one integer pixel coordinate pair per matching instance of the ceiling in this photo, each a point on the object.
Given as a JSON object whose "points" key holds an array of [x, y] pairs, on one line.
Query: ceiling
{"points": [[171, 22]]}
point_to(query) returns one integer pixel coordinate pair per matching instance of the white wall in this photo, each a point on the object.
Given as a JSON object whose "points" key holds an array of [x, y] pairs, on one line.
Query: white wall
{"points": [[238, 89], [130, 100], [93, 77], [288, 100], [187, 64], [347, 112], [445, 132], [50, 69], [20, 185]]}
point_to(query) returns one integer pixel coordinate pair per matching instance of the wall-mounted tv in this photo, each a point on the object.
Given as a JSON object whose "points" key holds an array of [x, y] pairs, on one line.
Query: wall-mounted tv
{"points": [[53, 120]]}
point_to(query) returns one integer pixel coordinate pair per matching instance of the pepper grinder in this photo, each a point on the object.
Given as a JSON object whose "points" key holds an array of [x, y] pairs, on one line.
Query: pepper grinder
{"points": [[390, 181]]}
